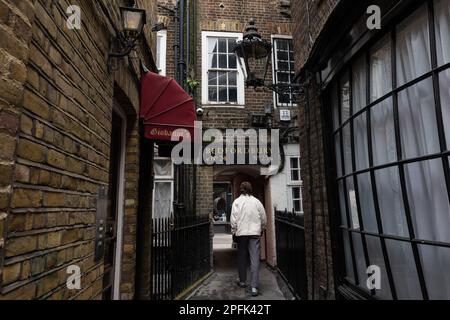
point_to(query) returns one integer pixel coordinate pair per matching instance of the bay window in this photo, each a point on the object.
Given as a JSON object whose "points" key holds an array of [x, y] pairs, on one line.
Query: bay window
{"points": [[391, 136]]}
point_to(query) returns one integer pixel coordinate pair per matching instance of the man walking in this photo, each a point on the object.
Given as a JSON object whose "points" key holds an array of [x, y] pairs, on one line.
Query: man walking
{"points": [[248, 221]]}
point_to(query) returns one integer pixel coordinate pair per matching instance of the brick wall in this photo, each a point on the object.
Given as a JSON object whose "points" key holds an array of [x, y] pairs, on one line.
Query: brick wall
{"points": [[234, 16], [63, 140], [309, 18]]}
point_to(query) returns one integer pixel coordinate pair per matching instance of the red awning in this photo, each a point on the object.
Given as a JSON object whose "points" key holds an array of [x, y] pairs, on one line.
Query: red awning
{"points": [[165, 107]]}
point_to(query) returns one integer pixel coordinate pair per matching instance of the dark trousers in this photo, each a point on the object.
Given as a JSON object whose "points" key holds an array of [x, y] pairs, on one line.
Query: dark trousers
{"points": [[249, 246]]}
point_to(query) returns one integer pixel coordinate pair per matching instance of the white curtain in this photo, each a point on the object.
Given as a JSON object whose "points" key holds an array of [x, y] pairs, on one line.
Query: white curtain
{"points": [[442, 18], [162, 205], [418, 124], [444, 84], [359, 94], [381, 69], [404, 270], [428, 199], [413, 47], [383, 133], [162, 168], [390, 201], [366, 202], [435, 264], [376, 258]]}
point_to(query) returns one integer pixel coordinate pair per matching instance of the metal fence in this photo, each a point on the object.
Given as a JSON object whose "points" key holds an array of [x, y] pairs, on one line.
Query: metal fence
{"points": [[291, 255], [180, 254]]}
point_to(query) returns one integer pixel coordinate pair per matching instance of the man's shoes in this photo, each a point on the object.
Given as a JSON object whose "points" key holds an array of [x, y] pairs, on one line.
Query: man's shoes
{"points": [[255, 292], [241, 284]]}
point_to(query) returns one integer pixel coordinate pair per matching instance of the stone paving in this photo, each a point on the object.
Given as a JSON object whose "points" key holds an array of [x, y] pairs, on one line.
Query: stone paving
{"points": [[221, 285]]}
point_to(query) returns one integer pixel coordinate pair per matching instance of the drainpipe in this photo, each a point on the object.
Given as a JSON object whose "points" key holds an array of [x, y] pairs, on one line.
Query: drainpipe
{"points": [[182, 54]]}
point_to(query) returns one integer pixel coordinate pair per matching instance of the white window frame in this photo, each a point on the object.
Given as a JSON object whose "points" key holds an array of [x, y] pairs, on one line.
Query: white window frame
{"points": [[163, 179], [162, 34], [294, 184], [205, 68], [274, 76]]}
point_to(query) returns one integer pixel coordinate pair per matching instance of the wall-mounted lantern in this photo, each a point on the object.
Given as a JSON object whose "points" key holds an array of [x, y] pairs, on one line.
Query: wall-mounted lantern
{"points": [[133, 21]]}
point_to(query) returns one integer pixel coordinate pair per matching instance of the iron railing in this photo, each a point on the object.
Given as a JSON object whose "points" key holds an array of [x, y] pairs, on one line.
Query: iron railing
{"points": [[291, 254], [180, 254]]}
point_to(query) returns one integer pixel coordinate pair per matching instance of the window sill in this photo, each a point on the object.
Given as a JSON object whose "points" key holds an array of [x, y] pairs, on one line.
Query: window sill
{"points": [[223, 106]]}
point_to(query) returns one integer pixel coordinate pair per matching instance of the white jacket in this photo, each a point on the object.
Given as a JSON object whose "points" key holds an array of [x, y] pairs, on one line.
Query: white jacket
{"points": [[248, 217]]}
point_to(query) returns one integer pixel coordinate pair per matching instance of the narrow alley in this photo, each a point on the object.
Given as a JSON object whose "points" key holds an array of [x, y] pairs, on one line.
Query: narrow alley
{"points": [[221, 285]]}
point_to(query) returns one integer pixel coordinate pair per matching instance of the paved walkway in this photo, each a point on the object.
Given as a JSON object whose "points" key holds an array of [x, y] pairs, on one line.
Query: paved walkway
{"points": [[221, 285]]}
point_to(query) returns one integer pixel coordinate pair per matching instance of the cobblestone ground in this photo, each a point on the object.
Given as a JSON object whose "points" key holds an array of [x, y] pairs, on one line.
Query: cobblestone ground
{"points": [[221, 285]]}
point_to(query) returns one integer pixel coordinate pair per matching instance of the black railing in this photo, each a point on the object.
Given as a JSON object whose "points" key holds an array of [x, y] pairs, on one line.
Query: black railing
{"points": [[291, 255], [180, 254]]}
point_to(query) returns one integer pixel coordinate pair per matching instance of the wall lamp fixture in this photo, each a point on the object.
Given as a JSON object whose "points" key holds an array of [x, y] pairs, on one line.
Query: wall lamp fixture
{"points": [[133, 21]]}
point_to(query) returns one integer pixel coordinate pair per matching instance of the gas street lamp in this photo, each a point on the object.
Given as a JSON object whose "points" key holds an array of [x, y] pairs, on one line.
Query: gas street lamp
{"points": [[254, 55]]}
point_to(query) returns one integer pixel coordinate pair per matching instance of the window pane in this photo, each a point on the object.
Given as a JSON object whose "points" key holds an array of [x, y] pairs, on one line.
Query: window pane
{"points": [[162, 202], [223, 94], [222, 77], [296, 193], [281, 44], [442, 20], [282, 55], [335, 106], [297, 206], [413, 47], [418, 126], [381, 69], [435, 260], [345, 97], [231, 45], [212, 78], [361, 142], [342, 203], [359, 91], [295, 175], [366, 203], [223, 61], [404, 270], [295, 163], [360, 260], [348, 257], [233, 95], [383, 133], [162, 168], [376, 258], [283, 77], [213, 60], [352, 205], [337, 143], [222, 45], [347, 149], [232, 78], [444, 84], [428, 200], [212, 45], [212, 94], [391, 202], [232, 64]]}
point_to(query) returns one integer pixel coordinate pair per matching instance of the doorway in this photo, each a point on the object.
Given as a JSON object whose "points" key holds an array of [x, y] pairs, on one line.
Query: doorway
{"points": [[115, 208]]}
